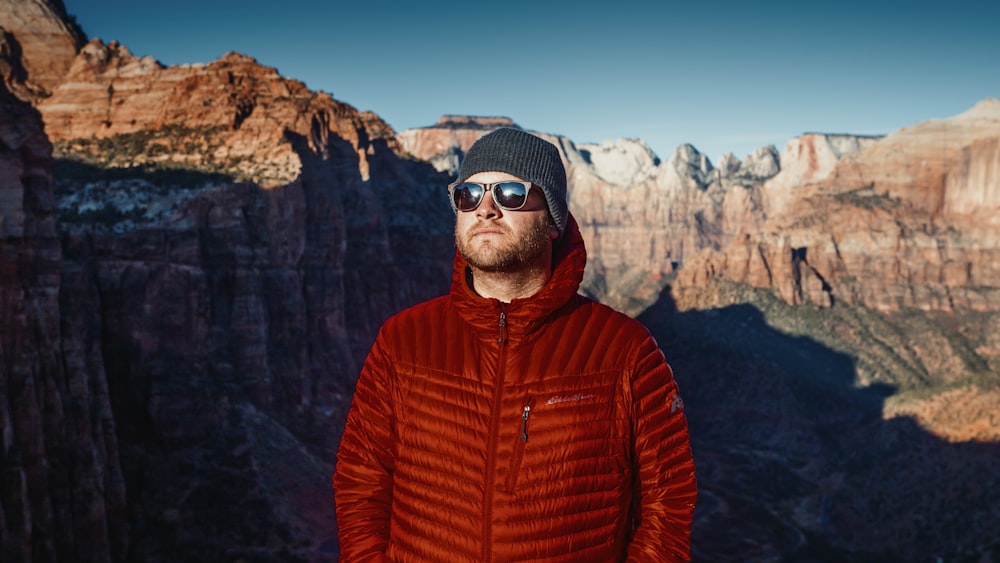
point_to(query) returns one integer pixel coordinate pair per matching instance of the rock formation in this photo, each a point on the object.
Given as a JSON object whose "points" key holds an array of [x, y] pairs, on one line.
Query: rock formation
{"points": [[907, 221], [44, 46], [244, 256], [232, 116], [830, 218], [444, 143], [63, 490], [226, 254]]}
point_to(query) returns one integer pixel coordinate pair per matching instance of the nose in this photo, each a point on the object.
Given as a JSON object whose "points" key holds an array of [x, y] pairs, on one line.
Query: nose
{"points": [[488, 208]]}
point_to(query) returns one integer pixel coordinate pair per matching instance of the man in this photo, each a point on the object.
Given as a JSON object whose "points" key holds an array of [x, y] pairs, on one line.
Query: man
{"points": [[514, 419]]}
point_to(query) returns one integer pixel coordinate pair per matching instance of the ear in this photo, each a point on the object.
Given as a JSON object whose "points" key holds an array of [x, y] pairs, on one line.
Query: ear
{"points": [[553, 231]]}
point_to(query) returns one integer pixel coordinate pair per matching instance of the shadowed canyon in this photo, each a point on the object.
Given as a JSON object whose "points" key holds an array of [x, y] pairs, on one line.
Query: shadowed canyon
{"points": [[194, 262]]}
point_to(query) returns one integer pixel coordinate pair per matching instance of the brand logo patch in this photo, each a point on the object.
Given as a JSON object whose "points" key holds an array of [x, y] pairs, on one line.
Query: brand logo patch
{"points": [[557, 399], [676, 403]]}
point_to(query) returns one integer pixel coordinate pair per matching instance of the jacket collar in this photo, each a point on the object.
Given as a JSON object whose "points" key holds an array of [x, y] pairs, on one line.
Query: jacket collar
{"points": [[524, 315]]}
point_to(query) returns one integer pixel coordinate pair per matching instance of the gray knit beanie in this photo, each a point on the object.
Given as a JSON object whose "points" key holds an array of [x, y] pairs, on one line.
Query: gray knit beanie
{"points": [[526, 156]]}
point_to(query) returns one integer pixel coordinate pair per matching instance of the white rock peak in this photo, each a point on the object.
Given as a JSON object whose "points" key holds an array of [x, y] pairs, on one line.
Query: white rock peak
{"points": [[624, 162], [988, 108]]}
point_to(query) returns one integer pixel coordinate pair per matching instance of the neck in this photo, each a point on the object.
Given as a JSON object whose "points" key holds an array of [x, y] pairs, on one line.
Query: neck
{"points": [[508, 286]]}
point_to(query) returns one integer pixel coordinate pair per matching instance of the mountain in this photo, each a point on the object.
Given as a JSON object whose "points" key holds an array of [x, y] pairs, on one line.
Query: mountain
{"points": [[640, 217], [197, 258], [63, 486], [907, 221], [39, 41], [217, 259]]}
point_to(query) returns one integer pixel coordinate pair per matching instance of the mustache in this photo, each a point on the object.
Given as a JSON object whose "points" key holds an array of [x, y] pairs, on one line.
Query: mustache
{"points": [[479, 227]]}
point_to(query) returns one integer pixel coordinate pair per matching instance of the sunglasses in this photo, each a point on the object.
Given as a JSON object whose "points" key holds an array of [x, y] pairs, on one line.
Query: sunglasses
{"points": [[508, 195]]}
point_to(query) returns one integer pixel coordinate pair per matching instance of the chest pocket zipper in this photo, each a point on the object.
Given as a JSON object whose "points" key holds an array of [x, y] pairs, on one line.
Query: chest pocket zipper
{"points": [[515, 462]]}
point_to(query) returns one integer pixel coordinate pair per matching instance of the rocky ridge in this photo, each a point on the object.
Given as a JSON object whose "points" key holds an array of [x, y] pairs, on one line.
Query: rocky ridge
{"points": [[907, 221], [37, 57], [640, 217], [232, 116]]}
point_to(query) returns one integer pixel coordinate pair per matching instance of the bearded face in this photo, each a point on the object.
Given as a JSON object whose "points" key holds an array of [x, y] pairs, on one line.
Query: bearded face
{"points": [[495, 240], [497, 247]]}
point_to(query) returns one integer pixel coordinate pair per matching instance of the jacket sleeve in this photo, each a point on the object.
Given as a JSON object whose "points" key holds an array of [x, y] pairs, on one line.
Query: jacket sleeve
{"points": [[362, 480], [663, 466]]}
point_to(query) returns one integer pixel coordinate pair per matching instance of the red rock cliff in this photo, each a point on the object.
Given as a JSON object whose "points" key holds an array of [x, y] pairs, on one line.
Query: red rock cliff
{"points": [[225, 254], [908, 221], [63, 492]]}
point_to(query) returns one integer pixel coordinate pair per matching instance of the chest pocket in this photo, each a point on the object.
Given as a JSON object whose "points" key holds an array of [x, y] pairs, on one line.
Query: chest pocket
{"points": [[568, 432]]}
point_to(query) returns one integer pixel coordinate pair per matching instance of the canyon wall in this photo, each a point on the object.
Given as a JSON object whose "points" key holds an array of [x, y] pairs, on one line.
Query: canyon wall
{"points": [[63, 490], [216, 243], [38, 42], [905, 222]]}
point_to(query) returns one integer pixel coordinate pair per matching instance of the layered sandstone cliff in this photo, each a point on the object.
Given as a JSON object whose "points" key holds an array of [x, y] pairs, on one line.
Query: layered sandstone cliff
{"points": [[444, 143], [232, 116], [39, 42], [243, 262], [908, 221], [63, 491], [641, 217], [227, 252]]}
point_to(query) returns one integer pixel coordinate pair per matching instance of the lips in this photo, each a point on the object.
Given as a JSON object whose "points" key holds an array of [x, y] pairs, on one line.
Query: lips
{"points": [[486, 231]]}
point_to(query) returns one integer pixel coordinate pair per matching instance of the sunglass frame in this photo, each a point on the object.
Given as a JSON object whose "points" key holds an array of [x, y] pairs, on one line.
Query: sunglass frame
{"points": [[490, 187]]}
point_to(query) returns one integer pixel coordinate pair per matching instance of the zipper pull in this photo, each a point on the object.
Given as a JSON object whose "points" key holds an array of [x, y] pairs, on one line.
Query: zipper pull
{"points": [[503, 323], [524, 421]]}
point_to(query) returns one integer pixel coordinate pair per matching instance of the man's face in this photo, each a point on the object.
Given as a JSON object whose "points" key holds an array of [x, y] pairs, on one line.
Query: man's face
{"points": [[492, 239]]}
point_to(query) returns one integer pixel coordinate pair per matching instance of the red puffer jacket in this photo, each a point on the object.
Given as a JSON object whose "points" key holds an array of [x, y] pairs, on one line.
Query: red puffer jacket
{"points": [[547, 429]]}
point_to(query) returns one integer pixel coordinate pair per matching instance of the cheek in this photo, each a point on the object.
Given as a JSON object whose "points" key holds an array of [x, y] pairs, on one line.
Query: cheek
{"points": [[462, 221]]}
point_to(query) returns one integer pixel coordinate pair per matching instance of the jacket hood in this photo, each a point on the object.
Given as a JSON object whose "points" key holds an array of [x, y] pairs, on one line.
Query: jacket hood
{"points": [[569, 258]]}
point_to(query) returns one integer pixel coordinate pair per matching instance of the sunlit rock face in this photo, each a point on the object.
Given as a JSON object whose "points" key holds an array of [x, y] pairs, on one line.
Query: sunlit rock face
{"points": [[39, 43], [444, 143], [230, 116], [907, 221]]}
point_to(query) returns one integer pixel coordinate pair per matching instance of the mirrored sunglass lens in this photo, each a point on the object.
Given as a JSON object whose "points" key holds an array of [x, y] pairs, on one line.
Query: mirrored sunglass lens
{"points": [[510, 194], [468, 196]]}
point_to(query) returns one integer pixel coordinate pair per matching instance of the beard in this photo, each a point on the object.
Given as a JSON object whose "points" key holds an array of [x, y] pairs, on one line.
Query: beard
{"points": [[512, 253]]}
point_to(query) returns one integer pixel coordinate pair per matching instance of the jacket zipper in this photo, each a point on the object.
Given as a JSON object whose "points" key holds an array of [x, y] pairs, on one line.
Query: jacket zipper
{"points": [[524, 420], [515, 462], [491, 463]]}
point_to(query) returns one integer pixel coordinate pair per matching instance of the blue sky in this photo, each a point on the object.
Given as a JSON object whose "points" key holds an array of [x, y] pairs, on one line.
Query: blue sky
{"points": [[722, 76]]}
